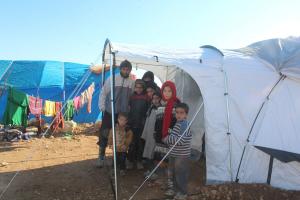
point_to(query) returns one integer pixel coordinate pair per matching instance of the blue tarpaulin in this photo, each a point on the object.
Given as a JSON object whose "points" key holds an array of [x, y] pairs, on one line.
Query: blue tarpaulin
{"points": [[49, 80]]}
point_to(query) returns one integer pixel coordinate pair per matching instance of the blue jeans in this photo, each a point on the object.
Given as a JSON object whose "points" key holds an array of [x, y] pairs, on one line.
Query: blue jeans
{"points": [[179, 172]]}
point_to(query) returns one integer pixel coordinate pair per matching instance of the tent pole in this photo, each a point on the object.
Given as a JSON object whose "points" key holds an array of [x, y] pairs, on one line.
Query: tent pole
{"points": [[112, 100], [282, 77], [228, 119]]}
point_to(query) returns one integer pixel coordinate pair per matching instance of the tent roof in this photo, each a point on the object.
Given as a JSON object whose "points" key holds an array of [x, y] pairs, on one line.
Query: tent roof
{"points": [[42, 74], [282, 54]]}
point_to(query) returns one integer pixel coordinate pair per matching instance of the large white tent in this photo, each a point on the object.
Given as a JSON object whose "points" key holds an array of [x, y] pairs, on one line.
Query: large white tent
{"points": [[251, 102]]}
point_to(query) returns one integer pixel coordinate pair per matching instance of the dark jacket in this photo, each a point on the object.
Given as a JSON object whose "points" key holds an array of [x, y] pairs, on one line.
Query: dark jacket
{"points": [[139, 105]]}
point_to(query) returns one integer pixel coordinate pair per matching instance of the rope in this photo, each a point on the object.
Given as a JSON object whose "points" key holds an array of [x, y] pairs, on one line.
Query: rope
{"points": [[9, 183], [156, 167]]}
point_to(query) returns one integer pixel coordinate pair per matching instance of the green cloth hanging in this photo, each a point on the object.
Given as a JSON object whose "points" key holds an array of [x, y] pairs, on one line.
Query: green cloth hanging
{"points": [[70, 110], [16, 109]]}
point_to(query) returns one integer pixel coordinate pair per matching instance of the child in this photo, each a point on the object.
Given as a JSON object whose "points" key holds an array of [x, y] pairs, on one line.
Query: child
{"points": [[148, 131], [165, 114], [148, 78], [179, 156], [138, 104], [123, 139], [150, 89], [165, 120]]}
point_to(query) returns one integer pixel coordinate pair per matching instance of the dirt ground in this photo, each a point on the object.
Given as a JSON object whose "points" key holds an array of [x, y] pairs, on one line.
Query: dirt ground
{"points": [[63, 168]]}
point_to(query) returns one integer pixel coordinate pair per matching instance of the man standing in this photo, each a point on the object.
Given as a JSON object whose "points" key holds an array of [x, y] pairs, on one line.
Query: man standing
{"points": [[122, 91]]}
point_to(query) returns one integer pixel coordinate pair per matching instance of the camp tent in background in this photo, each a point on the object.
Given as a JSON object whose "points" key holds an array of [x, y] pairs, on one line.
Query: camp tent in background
{"points": [[251, 105], [50, 80]]}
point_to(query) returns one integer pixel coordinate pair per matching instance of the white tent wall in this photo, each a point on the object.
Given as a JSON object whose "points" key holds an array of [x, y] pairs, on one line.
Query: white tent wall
{"points": [[283, 112], [248, 81], [211, 82], [286, 175]]}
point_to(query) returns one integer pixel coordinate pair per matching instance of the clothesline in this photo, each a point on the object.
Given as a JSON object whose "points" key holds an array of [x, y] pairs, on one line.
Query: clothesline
{"points": [[16, 108]]}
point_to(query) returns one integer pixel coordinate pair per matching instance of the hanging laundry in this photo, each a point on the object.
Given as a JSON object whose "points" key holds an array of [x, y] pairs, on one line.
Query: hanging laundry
{"points": [[83, 98], [49, 108], [70, 110], [35, 105], [16, 108], [77, 103], [90, 92], [58, 119]]}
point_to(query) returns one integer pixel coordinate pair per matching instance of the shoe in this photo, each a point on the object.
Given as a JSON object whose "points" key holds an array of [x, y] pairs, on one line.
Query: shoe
{"points": [[170, 192], [180, 196], [129, 165], [100, 163], [139, 165]]}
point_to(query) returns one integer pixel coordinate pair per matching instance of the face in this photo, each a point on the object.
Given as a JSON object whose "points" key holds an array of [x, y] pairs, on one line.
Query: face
{"points": [[150, 92], [122, 121], [156, 100], [138, 88], [125, 71], [167, 92], [180, 114]]}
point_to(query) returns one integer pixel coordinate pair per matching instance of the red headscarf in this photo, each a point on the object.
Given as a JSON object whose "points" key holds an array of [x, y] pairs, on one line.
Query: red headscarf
{"points": [[169, 107]]}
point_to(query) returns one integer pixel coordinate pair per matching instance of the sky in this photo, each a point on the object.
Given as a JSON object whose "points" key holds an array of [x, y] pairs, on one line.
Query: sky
{"points": [[75, 30]]}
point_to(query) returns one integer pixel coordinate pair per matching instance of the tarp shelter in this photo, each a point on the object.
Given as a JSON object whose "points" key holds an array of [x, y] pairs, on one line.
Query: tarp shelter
{"points": [[251, 105], [50, 80]]}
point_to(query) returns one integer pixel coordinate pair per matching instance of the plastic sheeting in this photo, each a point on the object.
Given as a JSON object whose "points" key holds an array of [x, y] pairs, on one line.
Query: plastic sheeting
{"points": [[50, 80]]}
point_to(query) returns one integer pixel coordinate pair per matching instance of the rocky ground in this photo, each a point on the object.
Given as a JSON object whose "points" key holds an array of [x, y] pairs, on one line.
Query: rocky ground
{"points": [[63, 168]]}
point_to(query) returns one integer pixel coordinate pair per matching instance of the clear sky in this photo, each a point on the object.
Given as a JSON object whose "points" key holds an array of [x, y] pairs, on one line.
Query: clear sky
{"points": [[75, 30]]}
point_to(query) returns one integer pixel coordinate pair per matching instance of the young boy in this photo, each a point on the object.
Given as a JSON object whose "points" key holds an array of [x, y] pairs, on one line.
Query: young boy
{"points": [[179, 156], [123, 139], [138, 103]]}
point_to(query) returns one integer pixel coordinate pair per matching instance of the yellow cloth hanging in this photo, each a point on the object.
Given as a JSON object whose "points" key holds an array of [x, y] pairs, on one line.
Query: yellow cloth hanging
{"points": [[49, 108]]}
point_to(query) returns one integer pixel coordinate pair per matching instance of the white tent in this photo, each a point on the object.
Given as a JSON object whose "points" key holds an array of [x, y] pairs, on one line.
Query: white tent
{"points": [[251, 105]]}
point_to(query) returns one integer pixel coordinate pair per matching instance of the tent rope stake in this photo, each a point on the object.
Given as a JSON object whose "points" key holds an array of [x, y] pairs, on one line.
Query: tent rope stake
{"points": [[282, 77]]}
